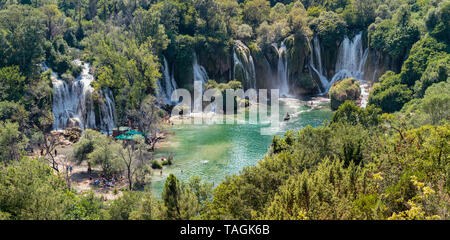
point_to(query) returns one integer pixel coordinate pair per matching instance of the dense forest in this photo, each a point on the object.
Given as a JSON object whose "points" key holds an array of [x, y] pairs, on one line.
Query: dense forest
{"points": [[389, 160]]}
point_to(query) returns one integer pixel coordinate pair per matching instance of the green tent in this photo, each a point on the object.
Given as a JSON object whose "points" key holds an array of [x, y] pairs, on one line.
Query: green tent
{"points": [[133, 132]]}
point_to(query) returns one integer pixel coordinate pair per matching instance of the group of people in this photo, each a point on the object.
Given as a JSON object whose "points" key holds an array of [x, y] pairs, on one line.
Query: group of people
{"points": [[105, 181]]}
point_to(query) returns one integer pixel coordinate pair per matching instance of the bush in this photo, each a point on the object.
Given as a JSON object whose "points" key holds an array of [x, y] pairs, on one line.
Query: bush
{"points": [[394, 36], [420, 54], [437, 71], [156, 164], [341, 91], [349, 113], [389, 94], [330, 28]]}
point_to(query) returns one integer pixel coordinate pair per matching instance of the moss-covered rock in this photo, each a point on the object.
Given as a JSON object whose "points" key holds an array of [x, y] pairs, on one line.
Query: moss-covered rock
{"points": [[341, 91], [298, 54]]}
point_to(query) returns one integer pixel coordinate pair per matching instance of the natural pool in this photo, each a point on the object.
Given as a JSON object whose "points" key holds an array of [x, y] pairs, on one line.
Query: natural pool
{"points": [[215, 151]]}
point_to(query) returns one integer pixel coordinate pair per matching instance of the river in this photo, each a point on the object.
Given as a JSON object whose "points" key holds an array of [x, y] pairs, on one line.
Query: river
{"points": [[216, 151]]}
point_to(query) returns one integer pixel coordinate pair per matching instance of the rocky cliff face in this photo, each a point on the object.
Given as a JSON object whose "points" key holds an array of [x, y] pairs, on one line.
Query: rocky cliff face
{"points": [[297, 65], [299, 51]]}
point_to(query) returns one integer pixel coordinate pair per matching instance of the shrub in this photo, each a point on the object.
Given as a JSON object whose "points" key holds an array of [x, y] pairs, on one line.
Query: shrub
{"points": [[156, 164], [347, 89], [390, 95]]}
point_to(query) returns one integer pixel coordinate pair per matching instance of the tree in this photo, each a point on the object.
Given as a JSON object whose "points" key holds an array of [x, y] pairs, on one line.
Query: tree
{"points": [[438, 70], [14, 112], [394, 36], [29, 189], [436, 102], [85, 145], [437, 21], [147, 24], [349, 113], [360, 13], [180, 200], [50, 141], [105, 154], [129, 155], [122, 207], [389, 94], [12, 84], [23, 37], [148, 119], [421, 53], [255, 12], [171, 197], [12, 143], [330, 28], [53, 20]]}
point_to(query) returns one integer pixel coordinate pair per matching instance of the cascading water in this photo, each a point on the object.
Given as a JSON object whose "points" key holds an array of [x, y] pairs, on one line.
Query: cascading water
{"points": [[282, 69], [73, 104], [243, 60], [316, 52], [107, 111], [351, 59], [200, 76], [350, 63], [166, 88]]}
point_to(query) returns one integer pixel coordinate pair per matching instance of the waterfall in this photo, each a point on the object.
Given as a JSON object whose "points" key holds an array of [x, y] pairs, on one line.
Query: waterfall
{"points": [[73, 104], [282, 69], [351, 59], [315, 51], [107, 111], [350, 63], [244, 60], [166, 88], [200, 76], [200, 73]]}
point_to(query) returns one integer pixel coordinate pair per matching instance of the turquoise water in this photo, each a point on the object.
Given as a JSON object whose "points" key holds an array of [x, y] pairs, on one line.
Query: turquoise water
{"points": [[215, 151]]}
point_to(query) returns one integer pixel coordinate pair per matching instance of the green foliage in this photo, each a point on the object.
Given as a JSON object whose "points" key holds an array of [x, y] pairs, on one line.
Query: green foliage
{"points": [[438, 70], [14, 112], [420, 55], [389, 94], [30, 190], [12, 84], [330, 28], [438, 21], [12, 142], [122, 207], [349, 113], [360, 13], [341, 91], [171, 197], [21, 37], [156, 164], [359, 166], [394, 36], [104, 153], [364, 175], [128, 68], [85, 145], [255, 12], [436, 102], [184, 200]]}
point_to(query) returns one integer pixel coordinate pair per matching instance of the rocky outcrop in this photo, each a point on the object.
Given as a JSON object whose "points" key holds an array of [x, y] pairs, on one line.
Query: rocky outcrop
{"points": [[341, 91], [299, 77]]}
